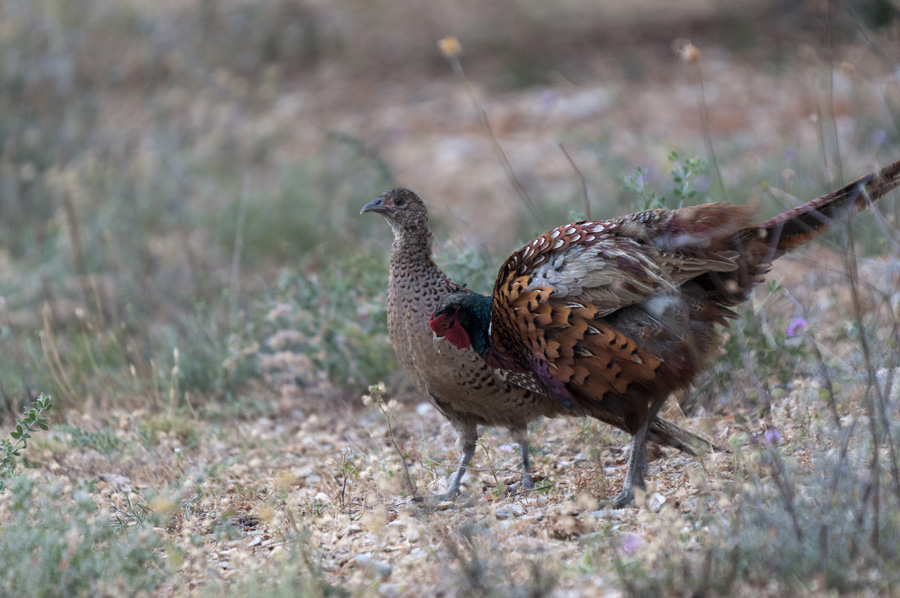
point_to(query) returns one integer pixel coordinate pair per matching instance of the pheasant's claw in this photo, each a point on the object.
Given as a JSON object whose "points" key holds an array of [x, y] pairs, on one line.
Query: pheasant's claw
{"points": [[443, 501], [435, 497], [623, 499], [523, 486], [528, 482]]}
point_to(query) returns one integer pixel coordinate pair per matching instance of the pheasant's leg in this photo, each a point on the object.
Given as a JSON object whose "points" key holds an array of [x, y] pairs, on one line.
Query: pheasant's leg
{"points": [[637, 463], [520, 436], [634, 475], [467, 436]]}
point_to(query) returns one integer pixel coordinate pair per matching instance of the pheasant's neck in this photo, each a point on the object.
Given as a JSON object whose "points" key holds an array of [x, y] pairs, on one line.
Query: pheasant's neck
{"points": [[409, 251], [475, 318], [481, 343]]}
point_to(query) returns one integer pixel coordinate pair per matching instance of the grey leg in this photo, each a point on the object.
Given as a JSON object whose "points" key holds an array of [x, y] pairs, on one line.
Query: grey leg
{"points": [[637, 464], [520, 436], [466, 437], [634, 475]]}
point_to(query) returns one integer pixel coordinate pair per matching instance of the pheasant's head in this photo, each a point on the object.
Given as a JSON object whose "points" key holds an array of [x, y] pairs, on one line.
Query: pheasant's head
{"points": [[404, 210], [464, 319], [446, 325]]}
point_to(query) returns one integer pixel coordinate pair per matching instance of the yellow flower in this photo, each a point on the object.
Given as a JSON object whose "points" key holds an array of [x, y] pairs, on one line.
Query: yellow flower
{"points": [[284, 480], [687, 51], [450, 47], [265, 513], [161, 504]]}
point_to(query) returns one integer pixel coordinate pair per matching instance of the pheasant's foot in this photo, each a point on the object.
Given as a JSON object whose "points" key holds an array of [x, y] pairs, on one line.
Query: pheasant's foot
{"points": [[436, 497], [526, 484], [623, 499], [444, 501]]}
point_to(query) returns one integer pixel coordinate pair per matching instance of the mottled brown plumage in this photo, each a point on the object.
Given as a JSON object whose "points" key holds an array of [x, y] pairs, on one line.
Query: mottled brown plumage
{"points": [[456, 380], [614, 316]]}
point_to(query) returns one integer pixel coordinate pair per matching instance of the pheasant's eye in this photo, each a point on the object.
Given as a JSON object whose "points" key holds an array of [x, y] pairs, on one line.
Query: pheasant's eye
{"points": [[445, 324], [399, 202]]}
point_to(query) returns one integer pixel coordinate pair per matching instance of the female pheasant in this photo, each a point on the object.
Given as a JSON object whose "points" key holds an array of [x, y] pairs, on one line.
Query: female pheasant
{"points": [[613, 316], [463, 387]]}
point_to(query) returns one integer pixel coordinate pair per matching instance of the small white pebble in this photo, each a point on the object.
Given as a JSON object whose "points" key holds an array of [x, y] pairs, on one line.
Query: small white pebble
{"points": [[382, 569], [510, 510]]}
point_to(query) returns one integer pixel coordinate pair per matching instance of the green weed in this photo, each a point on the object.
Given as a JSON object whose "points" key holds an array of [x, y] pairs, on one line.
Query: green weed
{"points": [[332, 322], [684, 176], [103, 441], [33, 419], [778, 535], [58, 545]]}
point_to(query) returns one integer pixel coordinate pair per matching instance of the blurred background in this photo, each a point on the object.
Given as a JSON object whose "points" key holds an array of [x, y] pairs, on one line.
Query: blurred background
{"points": [[180, 181]]}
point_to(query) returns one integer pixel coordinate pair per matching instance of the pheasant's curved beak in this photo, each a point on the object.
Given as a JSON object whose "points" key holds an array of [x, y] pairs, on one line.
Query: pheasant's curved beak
{"points": [[374, 206], [439, 341]]}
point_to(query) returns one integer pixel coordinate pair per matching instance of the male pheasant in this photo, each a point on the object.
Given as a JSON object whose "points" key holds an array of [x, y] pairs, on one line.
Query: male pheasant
{"points": [[614, 316], [456, 380]]}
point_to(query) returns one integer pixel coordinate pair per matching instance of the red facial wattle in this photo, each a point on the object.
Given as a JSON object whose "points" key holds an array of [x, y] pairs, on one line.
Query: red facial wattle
{"points": [[450, 328], [438, 325], [458, 336]]}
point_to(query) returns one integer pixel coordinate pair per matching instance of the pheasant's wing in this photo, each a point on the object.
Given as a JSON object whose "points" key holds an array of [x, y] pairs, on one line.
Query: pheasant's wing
{"points": [[553, 297]]}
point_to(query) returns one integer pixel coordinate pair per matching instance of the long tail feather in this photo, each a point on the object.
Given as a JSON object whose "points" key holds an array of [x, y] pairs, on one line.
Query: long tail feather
{"points": [[665, 433], [759, 245], [797, 226]]}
